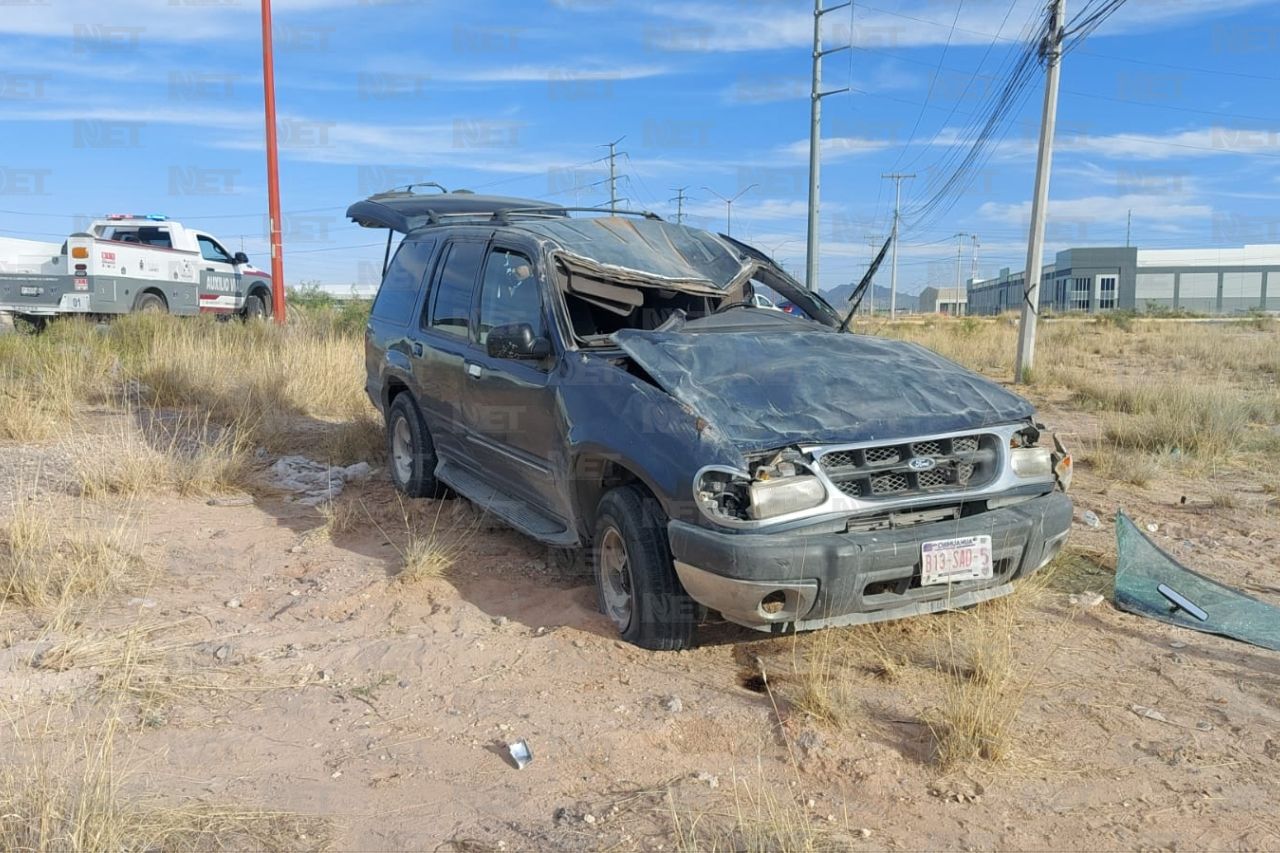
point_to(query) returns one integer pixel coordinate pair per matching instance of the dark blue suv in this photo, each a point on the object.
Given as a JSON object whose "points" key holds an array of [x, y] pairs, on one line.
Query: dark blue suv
{"points": [[610, 383]]}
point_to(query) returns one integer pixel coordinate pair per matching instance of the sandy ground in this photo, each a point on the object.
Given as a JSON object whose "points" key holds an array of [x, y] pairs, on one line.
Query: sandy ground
{"points": [[300, 675]]}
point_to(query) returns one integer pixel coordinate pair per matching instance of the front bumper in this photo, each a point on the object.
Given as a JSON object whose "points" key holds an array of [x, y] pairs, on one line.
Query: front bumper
{"points": [[828, 579]]}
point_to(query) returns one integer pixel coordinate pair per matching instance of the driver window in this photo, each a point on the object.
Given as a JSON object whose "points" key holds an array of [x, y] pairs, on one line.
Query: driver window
{"points": [[211, 251], [509, 293]]}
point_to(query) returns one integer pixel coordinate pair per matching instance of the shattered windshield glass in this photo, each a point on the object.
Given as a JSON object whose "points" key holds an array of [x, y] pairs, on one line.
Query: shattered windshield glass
{"points": [[1149, 582]]}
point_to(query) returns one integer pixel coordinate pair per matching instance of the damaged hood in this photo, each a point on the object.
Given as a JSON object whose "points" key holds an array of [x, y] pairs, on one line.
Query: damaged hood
{"points": [[765, 389]]}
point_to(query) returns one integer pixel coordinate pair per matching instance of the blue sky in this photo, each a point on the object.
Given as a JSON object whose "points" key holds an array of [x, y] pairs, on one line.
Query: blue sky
{"points": [[155, 106]]}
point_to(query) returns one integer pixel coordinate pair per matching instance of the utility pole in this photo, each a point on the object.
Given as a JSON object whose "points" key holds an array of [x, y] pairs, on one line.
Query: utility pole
{"points": [[1128, 228], [959, 249], [815, 139], [873, 240], [1051, 50], [613, 174], [973, 264], [728, 205], [897, 179], [273, 168], [679, 200]]}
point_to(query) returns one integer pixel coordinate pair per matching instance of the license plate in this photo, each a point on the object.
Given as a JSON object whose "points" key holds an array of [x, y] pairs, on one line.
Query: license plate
{"points": [[950, 560], [31, 291]]}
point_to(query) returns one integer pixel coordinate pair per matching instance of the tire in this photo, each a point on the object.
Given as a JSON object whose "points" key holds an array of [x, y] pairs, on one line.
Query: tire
{"points": [[411, 457], [255, 308], [635, 577], [29, 324], [150, 303]]}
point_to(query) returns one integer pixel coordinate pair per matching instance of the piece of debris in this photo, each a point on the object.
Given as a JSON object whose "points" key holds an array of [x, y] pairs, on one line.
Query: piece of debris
{"points": [[712, 780], [1149, 582], [1176, 644], [674, 705], [1086, 599], [1204, 726], [231, 500], [1091, 518], [1150, 714], [520, 753], [142, 602], [313, 482], [811, 741], [500, 621], [589, 819], [222, 652], [233, 603], [1152, 527]]}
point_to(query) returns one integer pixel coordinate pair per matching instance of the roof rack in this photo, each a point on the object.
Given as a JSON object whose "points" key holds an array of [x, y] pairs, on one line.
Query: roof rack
{"points": [[560, 212]]}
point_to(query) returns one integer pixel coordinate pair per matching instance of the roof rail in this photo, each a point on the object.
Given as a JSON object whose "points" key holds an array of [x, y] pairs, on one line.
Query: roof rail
{"points": [[504, 215]]}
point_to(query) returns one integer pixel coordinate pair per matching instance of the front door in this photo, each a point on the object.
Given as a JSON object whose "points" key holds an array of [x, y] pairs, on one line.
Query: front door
{"points": [[219, 278], [509, 404]]}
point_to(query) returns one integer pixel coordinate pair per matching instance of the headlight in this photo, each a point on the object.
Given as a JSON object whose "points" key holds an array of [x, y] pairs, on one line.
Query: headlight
{"points": [[772, 498], [1032, 463]]}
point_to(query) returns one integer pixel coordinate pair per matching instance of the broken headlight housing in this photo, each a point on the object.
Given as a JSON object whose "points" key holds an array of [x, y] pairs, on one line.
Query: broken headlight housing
{"points": [[1029, 461], [777, 486]]}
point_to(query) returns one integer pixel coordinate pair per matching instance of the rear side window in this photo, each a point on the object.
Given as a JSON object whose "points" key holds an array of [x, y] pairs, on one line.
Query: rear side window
{"points": [[451, 300], [399, 291]]}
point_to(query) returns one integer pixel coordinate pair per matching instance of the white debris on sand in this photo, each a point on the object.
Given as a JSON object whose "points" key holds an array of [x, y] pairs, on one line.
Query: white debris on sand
{"points": [[314, 482]]}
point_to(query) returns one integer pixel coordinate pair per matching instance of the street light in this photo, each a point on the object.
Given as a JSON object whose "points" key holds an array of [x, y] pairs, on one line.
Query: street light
{"points": [[728, 205]]}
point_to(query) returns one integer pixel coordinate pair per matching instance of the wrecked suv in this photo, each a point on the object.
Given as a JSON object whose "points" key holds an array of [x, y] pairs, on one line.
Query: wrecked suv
{"points": [[609, 383]]}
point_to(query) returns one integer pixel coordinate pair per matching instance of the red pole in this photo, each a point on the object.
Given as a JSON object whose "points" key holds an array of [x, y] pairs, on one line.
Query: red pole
{"points": [[273, 168]]}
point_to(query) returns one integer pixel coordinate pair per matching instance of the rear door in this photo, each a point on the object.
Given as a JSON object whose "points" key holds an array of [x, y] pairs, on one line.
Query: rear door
{"points": [[442, 342], [219, 291]]}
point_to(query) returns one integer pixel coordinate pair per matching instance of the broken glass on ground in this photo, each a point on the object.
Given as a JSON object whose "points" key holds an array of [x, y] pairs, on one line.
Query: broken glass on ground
{"points": [[1151, 583]]}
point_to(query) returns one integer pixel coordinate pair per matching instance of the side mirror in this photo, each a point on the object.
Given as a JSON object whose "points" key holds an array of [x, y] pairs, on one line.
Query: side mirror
{"points": [[516, 340], [241, 258]]}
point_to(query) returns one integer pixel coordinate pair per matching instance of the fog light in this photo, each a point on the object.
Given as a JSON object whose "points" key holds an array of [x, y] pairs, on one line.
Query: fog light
{"points": [[1032, 462]]}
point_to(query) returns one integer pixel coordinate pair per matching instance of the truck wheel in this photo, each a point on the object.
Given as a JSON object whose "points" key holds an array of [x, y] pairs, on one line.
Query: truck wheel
{"points": [[410, 454], [635, 577], [29, 324], [255, 308], [149, 303]]}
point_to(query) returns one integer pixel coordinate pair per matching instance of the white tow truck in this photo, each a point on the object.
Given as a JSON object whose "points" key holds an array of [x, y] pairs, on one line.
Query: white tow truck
{"points": [[125, 263]]}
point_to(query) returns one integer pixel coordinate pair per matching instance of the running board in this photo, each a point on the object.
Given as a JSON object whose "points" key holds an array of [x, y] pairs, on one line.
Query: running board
{"points": [[513, 511]]}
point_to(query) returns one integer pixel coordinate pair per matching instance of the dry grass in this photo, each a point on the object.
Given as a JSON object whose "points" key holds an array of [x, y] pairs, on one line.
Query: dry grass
{"points": [[753, 818], [43, 567], [78, 797], [147, 452]]}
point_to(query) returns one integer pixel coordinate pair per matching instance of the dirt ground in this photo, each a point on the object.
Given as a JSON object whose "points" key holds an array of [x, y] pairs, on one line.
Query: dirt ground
{"points": [[286, 668]]}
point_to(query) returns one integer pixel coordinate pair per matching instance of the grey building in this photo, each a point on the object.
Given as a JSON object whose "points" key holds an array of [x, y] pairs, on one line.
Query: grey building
{"points": [[1205, 281], [944, 300]]}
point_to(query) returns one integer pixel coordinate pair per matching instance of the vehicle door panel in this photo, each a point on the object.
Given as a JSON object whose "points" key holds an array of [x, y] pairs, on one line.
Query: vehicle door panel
{"points": [[510, 404], [393, 319], [441, 342], [219, 277]]}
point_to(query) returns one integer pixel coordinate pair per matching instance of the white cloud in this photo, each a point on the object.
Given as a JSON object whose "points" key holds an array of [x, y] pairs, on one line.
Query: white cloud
{"points": [[834, 148], [712, 28], [1100, 209]]}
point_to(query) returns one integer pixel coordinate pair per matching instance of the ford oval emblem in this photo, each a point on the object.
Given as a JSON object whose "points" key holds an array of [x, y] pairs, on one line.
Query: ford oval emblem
{"points": [[922, 463]]}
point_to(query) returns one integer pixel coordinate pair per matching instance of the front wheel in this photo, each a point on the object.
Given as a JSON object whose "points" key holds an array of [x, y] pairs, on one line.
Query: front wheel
{"points": [[635, 577], [255, 308], [411, 455]]}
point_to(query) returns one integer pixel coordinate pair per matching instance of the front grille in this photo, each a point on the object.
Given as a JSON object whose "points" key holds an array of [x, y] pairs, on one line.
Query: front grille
{"points": [[892, 470]]}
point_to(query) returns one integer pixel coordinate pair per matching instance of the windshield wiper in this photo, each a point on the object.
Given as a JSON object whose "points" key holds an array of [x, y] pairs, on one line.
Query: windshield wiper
{"points": [[860, 290]]}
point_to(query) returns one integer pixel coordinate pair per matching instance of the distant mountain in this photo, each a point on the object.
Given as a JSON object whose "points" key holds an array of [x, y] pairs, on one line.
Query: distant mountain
{"points": [[839, 296]]}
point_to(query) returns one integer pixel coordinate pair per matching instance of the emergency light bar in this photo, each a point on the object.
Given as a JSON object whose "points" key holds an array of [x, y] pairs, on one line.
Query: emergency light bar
{"points": [[154, 217]]}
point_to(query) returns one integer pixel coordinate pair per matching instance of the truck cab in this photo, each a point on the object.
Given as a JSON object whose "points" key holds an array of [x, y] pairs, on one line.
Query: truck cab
{"points": [[124, 263]]}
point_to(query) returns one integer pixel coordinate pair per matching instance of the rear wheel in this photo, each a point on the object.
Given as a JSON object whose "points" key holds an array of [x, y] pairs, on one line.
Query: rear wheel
{"points": [[150, 303], [255, 308], [635, 577], [410, 453]]}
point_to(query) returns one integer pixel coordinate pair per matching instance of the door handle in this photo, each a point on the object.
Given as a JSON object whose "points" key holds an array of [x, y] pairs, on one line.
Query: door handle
{"points": [[417, 349], [474, 370]]}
